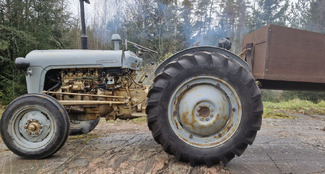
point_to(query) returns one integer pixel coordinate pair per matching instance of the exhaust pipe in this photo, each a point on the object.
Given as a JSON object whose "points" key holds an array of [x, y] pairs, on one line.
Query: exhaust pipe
{"points": [[84, 44]]}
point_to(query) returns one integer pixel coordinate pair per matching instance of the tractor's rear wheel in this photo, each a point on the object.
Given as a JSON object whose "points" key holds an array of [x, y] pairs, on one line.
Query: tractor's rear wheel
{"points": [[34, 126], [204, 108]]}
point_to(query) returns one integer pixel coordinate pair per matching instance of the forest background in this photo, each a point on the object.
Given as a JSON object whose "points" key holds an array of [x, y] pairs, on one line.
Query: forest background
{"points": [[166, 26]]}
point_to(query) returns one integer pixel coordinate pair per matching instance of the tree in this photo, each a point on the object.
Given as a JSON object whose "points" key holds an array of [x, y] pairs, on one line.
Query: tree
{"points": [[268, 12], [25, 26], [316, 16], [13, 43], [299, 14]]}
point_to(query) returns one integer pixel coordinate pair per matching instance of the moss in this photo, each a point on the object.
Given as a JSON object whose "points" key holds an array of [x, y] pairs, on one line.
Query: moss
{"points": [[4, 150], [140, 119], [277, 115], [85, 137]]}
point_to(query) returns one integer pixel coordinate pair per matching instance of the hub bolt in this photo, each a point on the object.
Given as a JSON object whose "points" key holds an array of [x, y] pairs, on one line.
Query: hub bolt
{"points": [[233, 109]]}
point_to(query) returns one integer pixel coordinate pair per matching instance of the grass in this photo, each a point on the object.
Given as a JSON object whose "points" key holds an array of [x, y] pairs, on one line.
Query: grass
{"points": [[296, 106], [2, 108], [85, 137], [140, 119]]}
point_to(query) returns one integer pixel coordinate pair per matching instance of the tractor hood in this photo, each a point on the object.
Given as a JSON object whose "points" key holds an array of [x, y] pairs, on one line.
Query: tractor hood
{"points": [[58, 59]]}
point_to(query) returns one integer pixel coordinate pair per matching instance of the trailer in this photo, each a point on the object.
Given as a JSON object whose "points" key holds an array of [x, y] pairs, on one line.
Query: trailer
{"points": [[286, 58]]}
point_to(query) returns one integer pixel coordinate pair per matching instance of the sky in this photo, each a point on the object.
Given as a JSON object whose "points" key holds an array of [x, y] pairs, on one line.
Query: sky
{"points": [[92, 9]]}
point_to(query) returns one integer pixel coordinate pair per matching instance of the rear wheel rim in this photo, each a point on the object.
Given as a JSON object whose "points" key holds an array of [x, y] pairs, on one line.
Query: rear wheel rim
{"points": [[204, 111]]}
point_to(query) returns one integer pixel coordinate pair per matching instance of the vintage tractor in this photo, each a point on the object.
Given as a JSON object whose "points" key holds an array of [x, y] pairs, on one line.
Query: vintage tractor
{"points": [[204, 105]]}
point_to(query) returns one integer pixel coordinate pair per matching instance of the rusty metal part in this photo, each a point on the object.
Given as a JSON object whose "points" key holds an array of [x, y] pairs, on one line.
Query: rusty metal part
{"points": [[244, 52], [282, 54], [89, 102], [203, 111], [84, 100], [82, 94], [33, 126], [76, 109], [204, 114], [145, 72]]}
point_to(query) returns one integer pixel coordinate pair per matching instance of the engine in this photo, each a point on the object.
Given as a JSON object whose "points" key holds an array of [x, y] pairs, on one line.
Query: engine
{"points": [[89, 93]]}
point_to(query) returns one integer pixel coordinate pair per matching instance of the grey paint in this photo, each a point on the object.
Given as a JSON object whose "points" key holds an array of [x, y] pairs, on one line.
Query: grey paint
{"points": [[42, 61]]}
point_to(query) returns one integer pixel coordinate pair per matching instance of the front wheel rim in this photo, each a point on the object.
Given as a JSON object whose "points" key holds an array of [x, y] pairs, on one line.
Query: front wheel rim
{"points": [[204, 111], [32, 128]]}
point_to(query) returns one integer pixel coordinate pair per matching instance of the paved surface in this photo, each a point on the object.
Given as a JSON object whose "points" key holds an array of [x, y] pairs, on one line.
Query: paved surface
{"points": [[282, 146], [285, 146]]}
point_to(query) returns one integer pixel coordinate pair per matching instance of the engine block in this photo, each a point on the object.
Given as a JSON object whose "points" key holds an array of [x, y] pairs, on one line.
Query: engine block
{"points": [[89, 93]]}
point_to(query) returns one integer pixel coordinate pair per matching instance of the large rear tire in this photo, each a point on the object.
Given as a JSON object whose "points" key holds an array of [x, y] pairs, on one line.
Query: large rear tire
{"points": [[34, 126], [204, 108]]}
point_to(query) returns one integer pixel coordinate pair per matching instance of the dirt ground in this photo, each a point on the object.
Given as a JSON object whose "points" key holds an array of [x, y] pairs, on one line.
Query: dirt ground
{"points": [[282, 146]]}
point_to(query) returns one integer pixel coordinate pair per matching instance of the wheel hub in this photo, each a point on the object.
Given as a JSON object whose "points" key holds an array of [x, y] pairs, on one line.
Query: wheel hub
{"points": [[34, 126], [203, 111], [209, 113]]}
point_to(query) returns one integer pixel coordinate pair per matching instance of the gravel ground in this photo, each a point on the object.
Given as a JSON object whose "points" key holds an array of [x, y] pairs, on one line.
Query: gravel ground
{"points": [[282, 146]]}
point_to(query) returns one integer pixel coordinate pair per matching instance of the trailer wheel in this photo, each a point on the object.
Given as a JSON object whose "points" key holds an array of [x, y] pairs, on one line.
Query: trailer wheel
{"points": [[34, 126], [204, 108], [82, 127]]}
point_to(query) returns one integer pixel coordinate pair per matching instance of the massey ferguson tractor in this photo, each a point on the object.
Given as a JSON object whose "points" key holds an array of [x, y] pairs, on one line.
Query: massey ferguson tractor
{"points": [[204, 105]]}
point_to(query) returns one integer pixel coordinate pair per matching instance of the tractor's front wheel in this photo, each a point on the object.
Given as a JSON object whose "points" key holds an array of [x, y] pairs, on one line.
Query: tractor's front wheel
{"points": [[34, 126], [204, 108]]}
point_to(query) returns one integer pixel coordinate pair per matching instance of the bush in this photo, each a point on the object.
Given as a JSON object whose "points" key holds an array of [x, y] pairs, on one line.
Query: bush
{"points": [[271, 95], [314, 97]]}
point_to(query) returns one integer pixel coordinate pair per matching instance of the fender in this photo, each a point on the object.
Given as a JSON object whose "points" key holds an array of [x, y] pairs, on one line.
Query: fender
{"points": [[192, 50]]}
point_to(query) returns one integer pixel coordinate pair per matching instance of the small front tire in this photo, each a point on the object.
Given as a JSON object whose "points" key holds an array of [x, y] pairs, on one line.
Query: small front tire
{"points": [[34, 126]]}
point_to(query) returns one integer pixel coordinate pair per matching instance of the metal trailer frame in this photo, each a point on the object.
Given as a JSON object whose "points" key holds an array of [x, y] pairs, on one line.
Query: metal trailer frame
{"points": [[286, 58]]}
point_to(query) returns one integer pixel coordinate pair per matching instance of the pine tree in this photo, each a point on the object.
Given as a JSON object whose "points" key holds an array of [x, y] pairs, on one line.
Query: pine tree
{"points": [[269, 12], [316, 16], [25, 26]]}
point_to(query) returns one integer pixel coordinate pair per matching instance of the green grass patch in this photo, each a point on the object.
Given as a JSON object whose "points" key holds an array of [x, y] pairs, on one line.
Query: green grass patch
{"points": [[2, 108], [4, 150], [296, 106], [140, 119], [276, 114]]}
